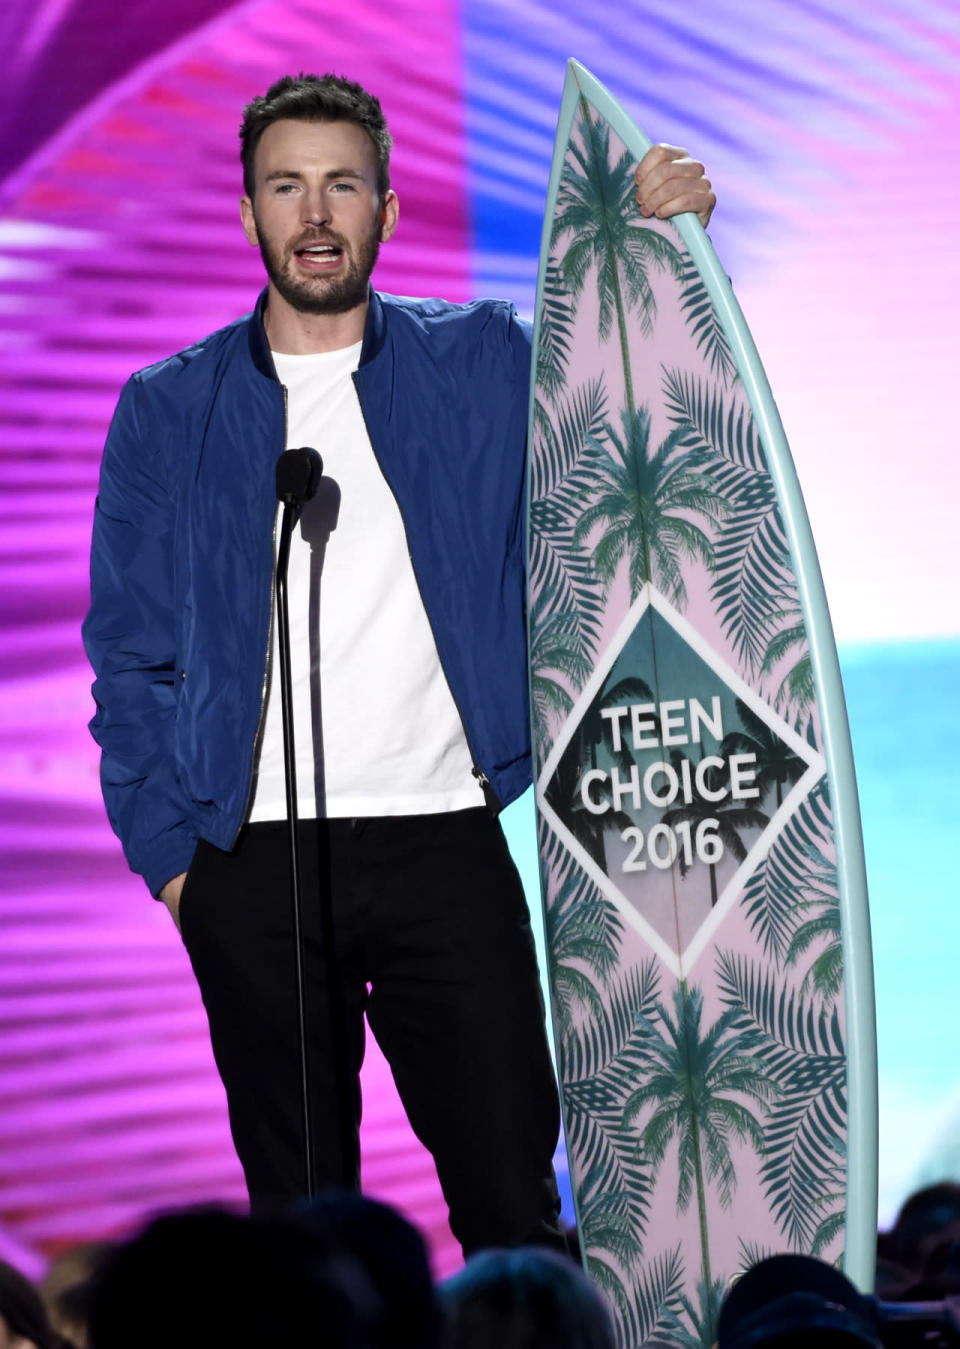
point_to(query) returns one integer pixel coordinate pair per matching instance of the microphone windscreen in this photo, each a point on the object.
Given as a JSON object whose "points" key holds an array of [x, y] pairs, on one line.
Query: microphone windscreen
{"points": [[298, 475]]}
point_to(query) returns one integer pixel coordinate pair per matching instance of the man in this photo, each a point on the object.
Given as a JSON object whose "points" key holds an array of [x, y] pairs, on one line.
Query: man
{"points": [[409, 669]]}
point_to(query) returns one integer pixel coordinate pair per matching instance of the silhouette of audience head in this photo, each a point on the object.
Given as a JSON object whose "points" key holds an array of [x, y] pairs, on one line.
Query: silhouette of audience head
{"points": [[922, 1220], [524, 1299], [787, 1301], [24, 1323], [67, 1289], [918, 1259], [393, 1256], [209, 1277]]}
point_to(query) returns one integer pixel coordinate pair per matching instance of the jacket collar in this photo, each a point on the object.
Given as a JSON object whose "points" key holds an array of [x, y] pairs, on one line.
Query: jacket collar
{"points": [[375, 331], [259, 346], [374, 334]]}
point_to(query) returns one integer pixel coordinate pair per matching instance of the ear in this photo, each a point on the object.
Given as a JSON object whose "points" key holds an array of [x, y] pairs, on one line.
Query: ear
{"points": [[389, 214], [248, 220]]}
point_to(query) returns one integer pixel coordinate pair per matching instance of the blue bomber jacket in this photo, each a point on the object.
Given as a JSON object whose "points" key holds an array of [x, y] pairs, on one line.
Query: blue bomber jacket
{"points": [[181, 566]]}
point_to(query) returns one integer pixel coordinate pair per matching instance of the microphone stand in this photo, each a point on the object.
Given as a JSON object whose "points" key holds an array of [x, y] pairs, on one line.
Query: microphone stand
{"points": [[292, 490], [298, 476]]}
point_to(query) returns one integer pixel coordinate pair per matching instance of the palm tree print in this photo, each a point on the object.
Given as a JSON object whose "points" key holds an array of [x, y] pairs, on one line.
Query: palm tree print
{"points": [[825, 975], [555, 649], [700, 1330], [645, 502], [556, 335], [791, 900], [800, 1050], [583, 931], [796, 687], [596, 208], [776, 762], [560, 572], [705, 325], [696, 1080], [821, 927], [753, 585], [658, 1293], [597, 1059], [729, 816]]}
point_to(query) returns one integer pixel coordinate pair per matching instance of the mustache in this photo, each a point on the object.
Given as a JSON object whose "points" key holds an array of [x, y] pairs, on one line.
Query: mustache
{"points": [[319, 237]]}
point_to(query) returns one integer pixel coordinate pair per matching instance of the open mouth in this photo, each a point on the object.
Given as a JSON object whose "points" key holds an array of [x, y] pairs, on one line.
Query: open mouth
{"points": [[319, 256]]}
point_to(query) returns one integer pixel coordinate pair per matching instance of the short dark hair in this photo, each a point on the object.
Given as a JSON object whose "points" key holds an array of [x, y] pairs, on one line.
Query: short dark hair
{"points": [[522, 1299], [315, 98], [177, 1283]]}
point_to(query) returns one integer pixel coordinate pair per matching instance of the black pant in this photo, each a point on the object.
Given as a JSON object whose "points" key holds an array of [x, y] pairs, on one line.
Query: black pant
{"points": [[433, 942]]}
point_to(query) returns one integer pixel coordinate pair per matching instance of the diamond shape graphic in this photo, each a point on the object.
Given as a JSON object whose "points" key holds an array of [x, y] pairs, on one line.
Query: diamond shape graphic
{"points": [[670, 780]]}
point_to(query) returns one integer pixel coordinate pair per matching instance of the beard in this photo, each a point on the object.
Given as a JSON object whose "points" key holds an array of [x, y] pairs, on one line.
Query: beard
{"points": [[321, 294]]}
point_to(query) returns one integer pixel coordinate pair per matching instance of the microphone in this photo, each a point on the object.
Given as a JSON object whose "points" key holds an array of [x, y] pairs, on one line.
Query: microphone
{"points": [[298, 476]]}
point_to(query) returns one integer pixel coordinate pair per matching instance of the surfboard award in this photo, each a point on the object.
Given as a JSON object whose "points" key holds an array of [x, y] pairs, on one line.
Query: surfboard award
{"points": [[701, 860]]}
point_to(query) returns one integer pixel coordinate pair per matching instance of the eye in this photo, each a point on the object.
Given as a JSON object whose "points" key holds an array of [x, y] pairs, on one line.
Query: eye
{"points": [[284, 189], [343, 187]]}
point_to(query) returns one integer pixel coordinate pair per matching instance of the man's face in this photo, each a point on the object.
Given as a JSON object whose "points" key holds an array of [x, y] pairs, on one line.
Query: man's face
{"points": [[316, 214]]}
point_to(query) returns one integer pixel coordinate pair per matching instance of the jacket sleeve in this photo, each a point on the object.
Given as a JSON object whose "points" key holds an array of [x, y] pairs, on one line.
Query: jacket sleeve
{"points": [[130, 634], [521, 345]]}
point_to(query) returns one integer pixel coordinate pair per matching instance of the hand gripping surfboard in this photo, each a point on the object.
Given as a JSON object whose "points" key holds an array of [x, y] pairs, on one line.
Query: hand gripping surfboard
{"points": [[701, 859]]}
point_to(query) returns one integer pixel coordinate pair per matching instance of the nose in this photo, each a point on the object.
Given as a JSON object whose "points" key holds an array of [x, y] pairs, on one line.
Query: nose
{"points": [[316, 210]]}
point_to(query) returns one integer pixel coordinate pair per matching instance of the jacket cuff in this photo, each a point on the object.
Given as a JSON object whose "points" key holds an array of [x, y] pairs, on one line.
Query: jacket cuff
{"points": [[173, 856]]}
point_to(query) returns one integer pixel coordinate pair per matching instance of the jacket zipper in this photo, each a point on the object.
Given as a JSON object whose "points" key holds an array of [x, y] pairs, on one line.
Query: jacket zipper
{"points": [[261, 717], [483, 782]]}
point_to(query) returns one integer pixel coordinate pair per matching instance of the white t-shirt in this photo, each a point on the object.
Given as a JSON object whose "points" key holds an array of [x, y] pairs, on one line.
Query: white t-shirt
{"points": [[376, 729]]}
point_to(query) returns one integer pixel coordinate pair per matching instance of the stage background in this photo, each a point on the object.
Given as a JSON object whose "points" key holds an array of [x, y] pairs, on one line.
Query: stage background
{"points": [[831, 134]]}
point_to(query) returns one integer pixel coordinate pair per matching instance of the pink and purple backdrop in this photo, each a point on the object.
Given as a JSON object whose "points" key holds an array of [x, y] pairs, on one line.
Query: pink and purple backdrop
{"points": [[832, 140]]}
